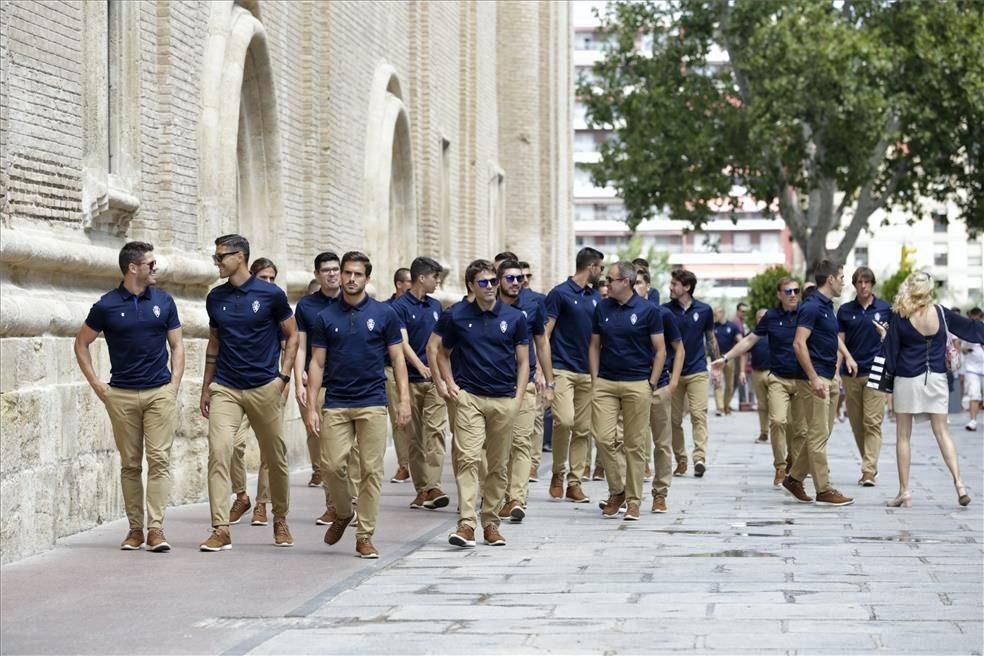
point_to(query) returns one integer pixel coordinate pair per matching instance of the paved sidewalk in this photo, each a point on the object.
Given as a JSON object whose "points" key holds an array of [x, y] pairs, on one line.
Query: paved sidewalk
{"points": [[735, 566]]}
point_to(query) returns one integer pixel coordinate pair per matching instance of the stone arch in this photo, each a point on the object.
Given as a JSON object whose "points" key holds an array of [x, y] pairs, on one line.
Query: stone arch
{"points": [[390, 198], [239, 134]]}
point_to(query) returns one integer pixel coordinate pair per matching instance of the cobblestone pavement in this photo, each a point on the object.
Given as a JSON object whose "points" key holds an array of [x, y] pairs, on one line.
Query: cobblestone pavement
{"points": [[735, 566]]}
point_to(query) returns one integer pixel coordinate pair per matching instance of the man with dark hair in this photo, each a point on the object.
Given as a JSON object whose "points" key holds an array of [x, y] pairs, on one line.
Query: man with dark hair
{"points": [[626, 357], [696, 323], [137, 319], [641, 264], [816, 346], [502, 257], [243, 376], [401, 282], [486, 382], [401, 438], [348, 341], [527, 274], [865, 407], [726, 335], [418, 313], [570, 312], [327, 272]]}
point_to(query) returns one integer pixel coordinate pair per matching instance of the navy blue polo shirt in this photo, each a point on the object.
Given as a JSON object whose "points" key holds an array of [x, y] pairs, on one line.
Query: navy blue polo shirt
{"points": [[817, 314], [626, 331], [761, 354], [136, 330], [860, 336], [419, 316], [573, 308], [248, 322], [533, 307], [694, 322], [306, 313], [356, 338], [485, 342], [671, 334], [726, 335], [779, 327], [653, 296]]}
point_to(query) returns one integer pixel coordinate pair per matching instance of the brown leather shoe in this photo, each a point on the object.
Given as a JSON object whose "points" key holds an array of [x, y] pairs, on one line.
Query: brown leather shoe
{"points": [[328, 518], [631, 513], [238, 509], [648, 474], [363, 547], [795, 488], [436, 499], [762, 438], [557, 486], [463, 536], [218, 541], [337, 529], [575, 494], [534, 475], [281, 533], [832, 497], [507, 508], [259, 515], [586, 474], [780, 475], [402, 475], [681, 468], [492, 536], [659, 504], [599, 474], [133, 541], [867, 480], [614, 503], [156, 541], [315, 479], [418, 501]]}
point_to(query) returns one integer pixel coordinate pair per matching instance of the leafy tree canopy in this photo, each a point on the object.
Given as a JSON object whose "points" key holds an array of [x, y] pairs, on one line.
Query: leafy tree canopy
{"points": [[762, 291], [827, 110]]}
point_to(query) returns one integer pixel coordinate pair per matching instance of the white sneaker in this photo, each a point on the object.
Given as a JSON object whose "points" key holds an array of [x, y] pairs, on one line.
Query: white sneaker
{"points": [[971, 425]]}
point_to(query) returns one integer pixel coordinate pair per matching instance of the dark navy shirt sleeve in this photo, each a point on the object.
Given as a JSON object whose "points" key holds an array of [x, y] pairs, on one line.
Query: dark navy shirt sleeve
{"points": [[173, 322], [281, 307], [96, 319], [393, 326], [552, 304], [655, 322]]}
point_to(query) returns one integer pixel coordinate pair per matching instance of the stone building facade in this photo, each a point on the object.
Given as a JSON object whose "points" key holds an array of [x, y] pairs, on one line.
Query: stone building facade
{"points": [[398, 128]]}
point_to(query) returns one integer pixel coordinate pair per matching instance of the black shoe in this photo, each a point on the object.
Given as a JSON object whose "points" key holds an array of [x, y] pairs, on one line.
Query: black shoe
{"points": [[699, 469]]}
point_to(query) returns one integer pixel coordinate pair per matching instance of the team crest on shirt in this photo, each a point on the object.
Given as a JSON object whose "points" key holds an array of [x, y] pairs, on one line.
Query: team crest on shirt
{"points": [[696, 317], [633, 319], [435, 316], [595, 301], [503, 325], [157, 311], [877, 316], [256, 307], [524, 314], [370, 324]]}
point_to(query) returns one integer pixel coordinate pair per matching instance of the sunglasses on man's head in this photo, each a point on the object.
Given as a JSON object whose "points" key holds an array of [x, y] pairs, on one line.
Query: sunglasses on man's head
{"points": [[792, 291], [510, 278], [487, 282]]}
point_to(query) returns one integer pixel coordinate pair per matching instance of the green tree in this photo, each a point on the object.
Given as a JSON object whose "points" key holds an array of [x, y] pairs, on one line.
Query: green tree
{"points": [[826, 110], [888, 289], [762, 291], [659, 261]]}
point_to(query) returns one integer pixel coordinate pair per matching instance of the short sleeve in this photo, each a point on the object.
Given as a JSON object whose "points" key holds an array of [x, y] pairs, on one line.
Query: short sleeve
{"points": [[655, 323], [596, 321], [807, 316], [300, 314], [317, 337], [552, 304], [842, 320], [96, 319], [522, 333], [173, 322], [762, 327], [537, 323], [671, 332], [393, 325], [709, 321], [448, 333], [441, 327], [281, 308]]}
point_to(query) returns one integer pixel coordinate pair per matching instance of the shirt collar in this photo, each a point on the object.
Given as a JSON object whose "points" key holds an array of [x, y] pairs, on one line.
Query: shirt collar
{"points": [[631, 303], [577, 289], [413, 299], [358, 308], [245, 287], [478, 311], [330, 299], [127, 295]]}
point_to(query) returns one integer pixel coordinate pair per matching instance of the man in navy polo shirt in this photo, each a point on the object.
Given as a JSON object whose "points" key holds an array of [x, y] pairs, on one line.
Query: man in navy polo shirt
{"points": [[401, 438], [726, 335], [816, 346], [418, 313], [137, 319], [652, 294], [537, 448], [486, 382], [760, 379], [696, 323], [349, 340], [570, 310], [247, 317], [865, 407], [626, 357]]}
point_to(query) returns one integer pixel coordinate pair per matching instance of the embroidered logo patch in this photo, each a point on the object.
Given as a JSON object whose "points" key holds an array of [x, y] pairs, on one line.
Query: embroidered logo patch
{"points": [[435, 316], [595, 301], [696, 317], [502, 326], [877, 316], [157, 311], [633, 319], [525, 315], [370, 324], [256, 307]]}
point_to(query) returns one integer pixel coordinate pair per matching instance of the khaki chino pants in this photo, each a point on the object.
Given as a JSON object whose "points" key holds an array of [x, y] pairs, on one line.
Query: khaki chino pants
{"points": [[401, 436], [659, 424], [237, 468], [482, 423], [724, 391], [571, 424], [342, 430], [520, 453], [865, 411], [812, 457], [633, 400], [143, 421], [760, 384], [264, 407], [690, 390], [536, 450], [428, 421], [787, 421]]}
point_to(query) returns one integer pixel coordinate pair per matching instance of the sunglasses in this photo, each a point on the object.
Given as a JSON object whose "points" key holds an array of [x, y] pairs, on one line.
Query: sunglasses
{"points": [[610, 280], [152, 265], [510, 278], [485, 283], [791, 292], [218, 257]]}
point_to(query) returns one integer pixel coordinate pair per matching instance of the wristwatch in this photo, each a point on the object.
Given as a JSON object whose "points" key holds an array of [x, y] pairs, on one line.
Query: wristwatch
{"points": [[284, 378], [552, 385]]}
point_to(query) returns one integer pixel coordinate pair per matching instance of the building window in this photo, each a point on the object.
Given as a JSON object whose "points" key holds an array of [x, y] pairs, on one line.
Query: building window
{"points": [[861, 256], [939, 259], [939, 222], [974, 260], [742, 242]]}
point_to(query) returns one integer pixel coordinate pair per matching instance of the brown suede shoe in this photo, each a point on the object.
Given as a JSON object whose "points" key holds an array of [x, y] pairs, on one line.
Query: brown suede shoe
{"points": [[681, 468], [575, 494], [780, 475], [363, 547], [832, 497], [156, 541], [586, 474], [762, 438], [436, 499], [557, 486], [648, 474], [239, 508], [218, 541], [463, 536], [632, 513], [133, 541], [337, 529], [281, 533], [867, 480], [259, 515], [492, 536], [614, 503], [506, 508], [418, 501], [795, 488], [599, 474], [315, 479], [328, 518], [402, 475], [534, 475], [659, 504]]}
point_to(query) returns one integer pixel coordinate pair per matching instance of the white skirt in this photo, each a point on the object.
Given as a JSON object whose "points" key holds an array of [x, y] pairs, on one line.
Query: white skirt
{"points": [[922, 394]]}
